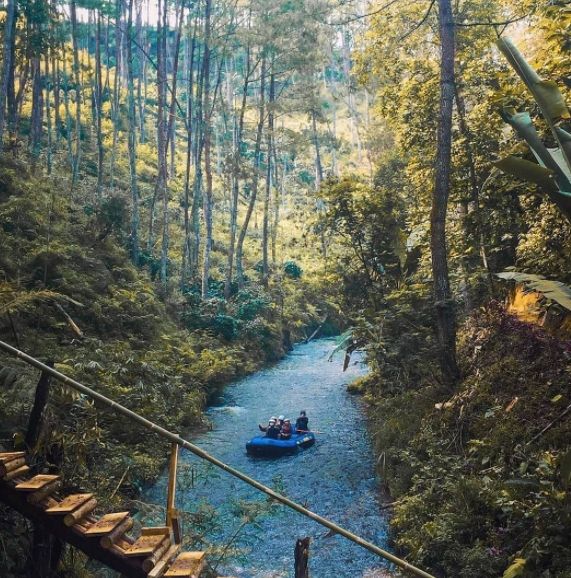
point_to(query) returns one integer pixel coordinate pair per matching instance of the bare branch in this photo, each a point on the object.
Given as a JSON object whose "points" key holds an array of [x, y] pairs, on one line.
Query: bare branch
{"points": [[420, 23], [503, 23], [362, 16]]}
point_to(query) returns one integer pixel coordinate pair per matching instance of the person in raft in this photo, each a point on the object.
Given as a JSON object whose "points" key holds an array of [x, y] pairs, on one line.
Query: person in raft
{"points": [[265, 428], [286, 430], [273, 431], [302, 422]]}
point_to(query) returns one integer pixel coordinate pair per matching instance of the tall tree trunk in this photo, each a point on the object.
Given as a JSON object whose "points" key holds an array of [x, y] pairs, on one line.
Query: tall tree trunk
{"points": [[98, 102], [68, 121], [132, 143], [186, 249], [48, 116], [36, 122], [14, 99], [7, 64], [77, 80], [207, 115], [255, 179], [197, 185], [444, 305], [141, 67], [161, 184], [57, 88], [318, 165], [266, 219], [238, 131], [172, 109], [116, 90], [279, 187]]}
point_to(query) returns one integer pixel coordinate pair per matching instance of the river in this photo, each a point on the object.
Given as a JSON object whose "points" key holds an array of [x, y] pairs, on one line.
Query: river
{"points": [[334, 478]]}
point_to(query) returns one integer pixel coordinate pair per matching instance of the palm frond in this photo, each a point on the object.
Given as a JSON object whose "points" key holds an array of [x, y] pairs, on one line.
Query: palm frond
{"points": [[342, 342]]}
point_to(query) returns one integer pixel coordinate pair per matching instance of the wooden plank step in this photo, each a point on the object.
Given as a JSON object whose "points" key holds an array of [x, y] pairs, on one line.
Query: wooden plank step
{"points": [[19, 473], [46, 491], [69, 504], [145, 545], [9, 456], [118, 534], [36, 483], [106, 524], [187, 565]]}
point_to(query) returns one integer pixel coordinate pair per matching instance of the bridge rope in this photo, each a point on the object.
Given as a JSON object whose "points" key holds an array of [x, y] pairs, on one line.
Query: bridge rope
{"points": [[196, 450]]}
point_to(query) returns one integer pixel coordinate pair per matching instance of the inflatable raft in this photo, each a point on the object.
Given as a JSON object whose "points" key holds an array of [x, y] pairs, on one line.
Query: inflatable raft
{"points": [[268, 447]]}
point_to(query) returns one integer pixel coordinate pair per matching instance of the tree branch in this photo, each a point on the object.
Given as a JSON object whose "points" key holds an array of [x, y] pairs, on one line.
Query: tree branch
{"points": [[419, 24], [490, 23], [362, 16]]}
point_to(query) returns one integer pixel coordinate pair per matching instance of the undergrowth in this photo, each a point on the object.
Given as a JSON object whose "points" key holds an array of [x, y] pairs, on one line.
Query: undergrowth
{"points": [[478, 487]]}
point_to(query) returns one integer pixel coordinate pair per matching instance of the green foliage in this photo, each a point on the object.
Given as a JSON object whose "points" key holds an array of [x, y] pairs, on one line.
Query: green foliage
{"points": [[367, 223], [293, 270], [135, 348], [249, 305], [226, 326]]}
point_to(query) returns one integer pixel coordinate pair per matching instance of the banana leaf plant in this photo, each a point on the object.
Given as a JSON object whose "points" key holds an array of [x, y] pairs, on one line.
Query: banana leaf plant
{"points": [[551, 290], [552, 172]]}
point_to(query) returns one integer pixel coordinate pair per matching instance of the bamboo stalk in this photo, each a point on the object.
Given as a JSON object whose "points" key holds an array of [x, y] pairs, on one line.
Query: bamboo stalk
{"points": [[22, 471], [75, 516], [167, 558], [171, 491], [150, 562], [6, 467], [110, 539], [196, 450]]}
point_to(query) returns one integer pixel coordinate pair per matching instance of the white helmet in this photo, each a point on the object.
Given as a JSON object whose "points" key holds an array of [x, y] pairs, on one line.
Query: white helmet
{"points": [[281, 418]]}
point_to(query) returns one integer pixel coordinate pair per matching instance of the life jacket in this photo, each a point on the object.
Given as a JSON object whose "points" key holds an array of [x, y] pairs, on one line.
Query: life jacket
{"points": [[273, 432], [302, 423]]}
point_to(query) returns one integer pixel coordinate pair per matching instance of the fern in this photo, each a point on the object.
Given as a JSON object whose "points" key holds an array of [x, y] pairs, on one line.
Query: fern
{"points": [[12, 301]]}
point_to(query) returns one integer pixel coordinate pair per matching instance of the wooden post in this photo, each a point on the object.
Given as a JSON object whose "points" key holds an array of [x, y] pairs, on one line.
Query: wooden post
{"points": [[36, 419], [46, 549], [302, 558], [172, 520]]}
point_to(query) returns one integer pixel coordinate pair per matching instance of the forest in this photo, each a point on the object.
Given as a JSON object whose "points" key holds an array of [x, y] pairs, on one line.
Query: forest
{"points": [[190, 189]]}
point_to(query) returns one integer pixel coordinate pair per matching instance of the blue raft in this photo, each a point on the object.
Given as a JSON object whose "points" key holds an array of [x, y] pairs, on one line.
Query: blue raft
{"points": [[267, 447]]}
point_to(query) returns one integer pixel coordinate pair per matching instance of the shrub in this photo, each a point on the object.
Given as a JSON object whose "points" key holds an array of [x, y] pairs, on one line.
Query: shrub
{"points": [[226, 326], [292, 269]]}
